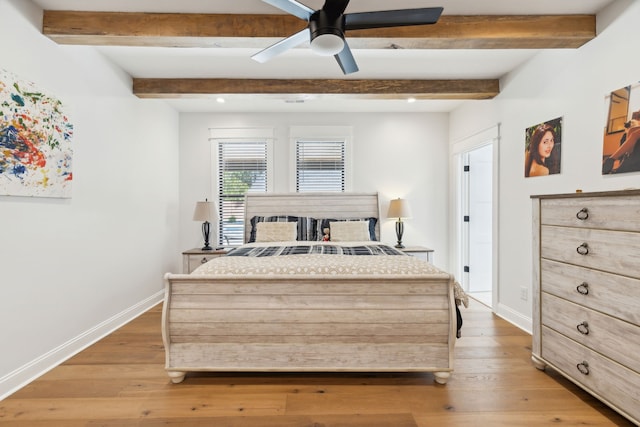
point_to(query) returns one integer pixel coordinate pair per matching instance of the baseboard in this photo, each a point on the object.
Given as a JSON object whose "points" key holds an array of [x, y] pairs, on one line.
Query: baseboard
{"points": [[22, 376], [515, 318]]}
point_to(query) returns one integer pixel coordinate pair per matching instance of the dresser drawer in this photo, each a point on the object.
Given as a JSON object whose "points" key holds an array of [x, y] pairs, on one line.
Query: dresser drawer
{"points": [[609, 293], [607, 335], [612, 251], [607, 380], [611, 213]]}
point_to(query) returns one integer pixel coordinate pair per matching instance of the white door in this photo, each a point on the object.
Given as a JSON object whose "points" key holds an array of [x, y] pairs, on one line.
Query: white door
{"points": [[477, 218], [480, 172]]}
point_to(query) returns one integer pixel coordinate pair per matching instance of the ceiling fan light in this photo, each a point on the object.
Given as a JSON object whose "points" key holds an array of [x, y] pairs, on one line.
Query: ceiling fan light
{"points": [[327, 44]]}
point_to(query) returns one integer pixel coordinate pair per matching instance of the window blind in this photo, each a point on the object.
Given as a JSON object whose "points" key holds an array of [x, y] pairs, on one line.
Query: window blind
{"points": [[320, 166], [242, 168]]}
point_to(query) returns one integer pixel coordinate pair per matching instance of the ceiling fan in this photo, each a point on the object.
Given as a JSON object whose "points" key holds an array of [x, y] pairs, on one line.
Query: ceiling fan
{"points": [[327, 27]]}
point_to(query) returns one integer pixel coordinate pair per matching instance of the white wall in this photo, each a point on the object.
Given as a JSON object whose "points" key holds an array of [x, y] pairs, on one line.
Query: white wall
{"points": [[566, 83], [397, 155], [72, 269]]}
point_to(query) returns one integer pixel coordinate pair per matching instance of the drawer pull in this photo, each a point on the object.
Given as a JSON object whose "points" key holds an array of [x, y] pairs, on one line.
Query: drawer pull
{"points": [[583, 328], [583, 249], [583, 214], [583, 368], [583, 288], [203, 260]]}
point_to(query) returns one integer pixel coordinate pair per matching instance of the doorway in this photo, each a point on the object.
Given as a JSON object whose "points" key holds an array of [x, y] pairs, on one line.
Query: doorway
{"points": [[474, 228], [477, 229]]}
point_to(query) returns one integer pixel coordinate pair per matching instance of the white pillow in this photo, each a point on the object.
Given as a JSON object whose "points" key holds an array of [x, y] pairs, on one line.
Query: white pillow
{"points": [[349, 231], [276, 231]]}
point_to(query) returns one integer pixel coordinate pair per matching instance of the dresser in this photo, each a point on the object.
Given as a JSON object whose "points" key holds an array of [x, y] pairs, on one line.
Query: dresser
{"points": [[194, 258], [586, 293]]}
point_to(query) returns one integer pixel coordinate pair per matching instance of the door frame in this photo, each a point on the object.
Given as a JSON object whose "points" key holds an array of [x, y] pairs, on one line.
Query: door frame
{"points": [[456, 203]]}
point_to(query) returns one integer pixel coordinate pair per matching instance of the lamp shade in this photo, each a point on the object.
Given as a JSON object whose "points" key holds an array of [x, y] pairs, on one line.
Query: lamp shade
{"points": [[205, 211], [399, 208]]}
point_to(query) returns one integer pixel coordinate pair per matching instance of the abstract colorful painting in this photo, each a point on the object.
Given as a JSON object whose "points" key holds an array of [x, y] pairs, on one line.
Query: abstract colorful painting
{"points": [[35, 141]]}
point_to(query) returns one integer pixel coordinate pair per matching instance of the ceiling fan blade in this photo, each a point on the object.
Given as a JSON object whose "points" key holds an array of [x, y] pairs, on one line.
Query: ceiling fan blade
{"points": [[346, 60], [335, 7], [392, 18], [292, 7], [282, 46]]}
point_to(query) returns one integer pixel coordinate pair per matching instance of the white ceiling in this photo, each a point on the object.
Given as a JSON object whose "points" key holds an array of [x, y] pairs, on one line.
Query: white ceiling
{"points": [[160, 62]]}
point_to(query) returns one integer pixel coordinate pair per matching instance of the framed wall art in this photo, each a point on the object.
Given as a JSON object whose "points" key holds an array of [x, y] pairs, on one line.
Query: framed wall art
{"points": [[620, 148], [543, 148], [35, 141]]}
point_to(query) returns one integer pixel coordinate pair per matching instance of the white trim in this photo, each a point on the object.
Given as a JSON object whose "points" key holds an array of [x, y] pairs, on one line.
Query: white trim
{"points": [[476, 140], [458, 148], [513, 317], [241, 133], [22, 376]]}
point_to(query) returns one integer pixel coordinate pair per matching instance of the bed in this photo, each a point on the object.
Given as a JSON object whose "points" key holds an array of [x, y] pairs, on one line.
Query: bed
{"points": [[320, 306]]}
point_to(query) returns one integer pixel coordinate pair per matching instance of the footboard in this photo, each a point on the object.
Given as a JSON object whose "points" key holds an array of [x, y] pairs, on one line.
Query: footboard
{"points": [[308, 324]]}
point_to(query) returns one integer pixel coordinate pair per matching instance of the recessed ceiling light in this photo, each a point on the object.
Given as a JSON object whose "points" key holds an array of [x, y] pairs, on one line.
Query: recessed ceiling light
{"points": [[411, 100], [220, 100]]}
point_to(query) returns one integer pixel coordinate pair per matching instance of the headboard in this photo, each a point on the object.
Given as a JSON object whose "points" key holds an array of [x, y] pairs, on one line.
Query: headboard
{"points": [[316, 205]]}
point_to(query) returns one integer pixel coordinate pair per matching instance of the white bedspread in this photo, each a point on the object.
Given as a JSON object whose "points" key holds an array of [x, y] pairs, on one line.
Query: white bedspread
{"points": [[319, 264]]}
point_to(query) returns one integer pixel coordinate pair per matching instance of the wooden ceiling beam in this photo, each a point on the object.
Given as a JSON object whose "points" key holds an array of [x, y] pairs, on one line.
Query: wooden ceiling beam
{"points": [[246, 30], [379, 89]]}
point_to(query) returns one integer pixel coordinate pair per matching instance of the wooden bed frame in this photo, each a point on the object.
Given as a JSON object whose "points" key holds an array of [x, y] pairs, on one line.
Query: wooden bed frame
{"points": [[309, 323]]}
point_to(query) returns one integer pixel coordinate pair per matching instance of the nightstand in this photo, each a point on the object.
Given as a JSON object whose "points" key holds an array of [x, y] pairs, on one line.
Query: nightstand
{"points": [[194, 258], [425, 254]]}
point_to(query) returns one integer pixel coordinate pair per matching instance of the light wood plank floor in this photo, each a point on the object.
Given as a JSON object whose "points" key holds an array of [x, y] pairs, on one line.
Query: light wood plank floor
{"points": [[120, 381]]}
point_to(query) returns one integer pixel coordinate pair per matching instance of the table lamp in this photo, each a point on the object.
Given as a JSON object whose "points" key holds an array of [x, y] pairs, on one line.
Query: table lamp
{"points": [[205, 211], [399, 208]]}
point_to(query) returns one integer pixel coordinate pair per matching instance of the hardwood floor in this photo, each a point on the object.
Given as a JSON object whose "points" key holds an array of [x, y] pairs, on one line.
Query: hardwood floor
{"points": [[120, 381]]}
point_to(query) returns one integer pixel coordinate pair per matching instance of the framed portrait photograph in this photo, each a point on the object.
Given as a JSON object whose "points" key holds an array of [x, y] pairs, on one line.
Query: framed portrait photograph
{"points": [[542, 150]]}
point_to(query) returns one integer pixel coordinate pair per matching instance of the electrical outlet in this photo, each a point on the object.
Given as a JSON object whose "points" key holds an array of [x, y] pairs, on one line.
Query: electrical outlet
{"points": [[524, 293]]}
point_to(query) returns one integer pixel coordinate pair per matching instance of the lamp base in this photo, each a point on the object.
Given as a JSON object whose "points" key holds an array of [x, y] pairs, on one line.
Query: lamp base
{"points": [[399, 232], [205, 233]]}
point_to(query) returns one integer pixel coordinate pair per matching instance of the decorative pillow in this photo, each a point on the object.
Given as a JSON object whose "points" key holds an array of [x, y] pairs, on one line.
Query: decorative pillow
{"points": [[306, 225], [276, 231], [323, 223], [349, 231], [306, 228]]}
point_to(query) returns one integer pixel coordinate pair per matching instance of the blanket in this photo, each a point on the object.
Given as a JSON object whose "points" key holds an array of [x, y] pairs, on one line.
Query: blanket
{"points": [[324, 249]]}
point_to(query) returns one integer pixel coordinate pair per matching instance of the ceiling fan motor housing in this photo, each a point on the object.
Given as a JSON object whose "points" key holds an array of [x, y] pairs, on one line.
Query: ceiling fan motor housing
{"points": [[327, 32]]}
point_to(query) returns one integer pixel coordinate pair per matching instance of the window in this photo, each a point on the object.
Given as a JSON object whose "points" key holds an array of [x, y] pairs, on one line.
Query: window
{"points": [[320, 159], [320, 166], [242, 166]]}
